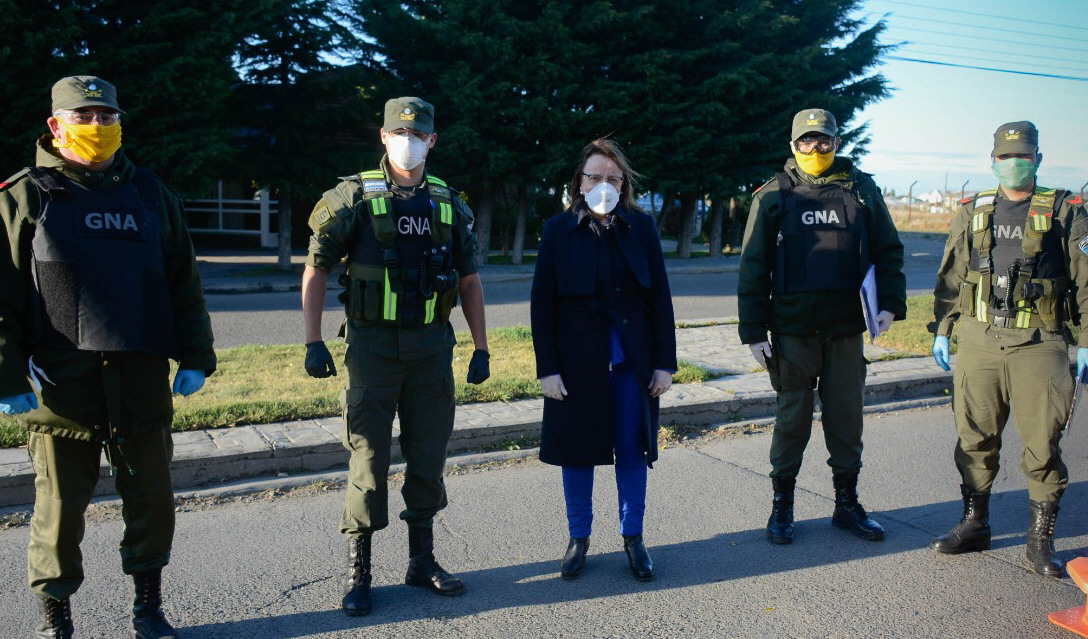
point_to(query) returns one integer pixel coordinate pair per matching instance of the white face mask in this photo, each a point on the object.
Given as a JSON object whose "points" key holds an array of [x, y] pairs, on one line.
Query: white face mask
{"points": [[406, 151], [602, 198]]}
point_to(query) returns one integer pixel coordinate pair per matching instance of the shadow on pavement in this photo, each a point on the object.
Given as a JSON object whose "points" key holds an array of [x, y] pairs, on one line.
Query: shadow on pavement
{"points": [[722, 558]]}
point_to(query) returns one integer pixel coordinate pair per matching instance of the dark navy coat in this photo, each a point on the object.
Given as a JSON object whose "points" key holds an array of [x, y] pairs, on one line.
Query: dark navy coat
{"points": [[571, 337]]}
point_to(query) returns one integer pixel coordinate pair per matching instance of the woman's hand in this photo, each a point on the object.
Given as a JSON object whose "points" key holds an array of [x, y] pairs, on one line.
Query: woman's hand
{"points": [[553, 387], [660, 382]]}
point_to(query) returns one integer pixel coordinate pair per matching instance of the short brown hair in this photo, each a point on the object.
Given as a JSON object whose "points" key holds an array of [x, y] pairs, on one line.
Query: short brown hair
{"points": [[611, 150]]}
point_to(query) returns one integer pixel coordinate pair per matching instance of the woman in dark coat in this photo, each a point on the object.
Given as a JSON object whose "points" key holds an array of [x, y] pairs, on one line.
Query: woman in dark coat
{"points": [[605, 346]]}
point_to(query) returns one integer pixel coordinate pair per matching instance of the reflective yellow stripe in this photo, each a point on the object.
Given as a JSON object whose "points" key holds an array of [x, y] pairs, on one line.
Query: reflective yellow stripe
{"points": [[390, 307], [978, 222], [980, 304], [1040, 222], [372, 175], [377, 206], [428, 310], [446, 212], [1023, 319], [433, 180]]}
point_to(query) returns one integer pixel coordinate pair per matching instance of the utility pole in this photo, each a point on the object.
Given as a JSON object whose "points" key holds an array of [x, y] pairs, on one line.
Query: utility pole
{"points": [[910, 198]]}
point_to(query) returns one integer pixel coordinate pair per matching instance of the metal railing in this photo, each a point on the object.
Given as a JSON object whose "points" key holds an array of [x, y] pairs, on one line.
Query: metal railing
{"points": [[222, 216]]}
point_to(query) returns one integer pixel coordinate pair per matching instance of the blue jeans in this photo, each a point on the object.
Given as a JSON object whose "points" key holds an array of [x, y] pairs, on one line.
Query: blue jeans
{"points": [[630, 451]]}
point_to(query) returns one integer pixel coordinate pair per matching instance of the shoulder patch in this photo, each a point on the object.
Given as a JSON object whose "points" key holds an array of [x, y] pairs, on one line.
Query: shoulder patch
{"points": [[1076, 200], [763, 186], [321, 219], [966, 200]]}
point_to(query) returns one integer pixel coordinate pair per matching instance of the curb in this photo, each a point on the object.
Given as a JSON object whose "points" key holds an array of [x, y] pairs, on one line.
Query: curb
{"points": [[214, 457]]}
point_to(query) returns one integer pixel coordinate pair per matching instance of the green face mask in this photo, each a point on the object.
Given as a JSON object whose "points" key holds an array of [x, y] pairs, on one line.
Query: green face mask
{"points": [[1014, 173]]}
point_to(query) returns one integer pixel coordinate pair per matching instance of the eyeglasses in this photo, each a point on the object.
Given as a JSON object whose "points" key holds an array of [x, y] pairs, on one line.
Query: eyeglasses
{"points": [[597, 178], [419, 135], [87, 117], [821, 143]]}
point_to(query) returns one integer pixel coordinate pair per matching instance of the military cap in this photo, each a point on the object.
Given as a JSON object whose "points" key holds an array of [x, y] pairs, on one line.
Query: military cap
{"points": [[80, 91], [409, 113], [1016, 137], [814, 121]]}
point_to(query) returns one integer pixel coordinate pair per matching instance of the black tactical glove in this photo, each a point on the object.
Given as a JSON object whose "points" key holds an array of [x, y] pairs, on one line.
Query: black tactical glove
{"points": [[319, 360], [478, 368]]}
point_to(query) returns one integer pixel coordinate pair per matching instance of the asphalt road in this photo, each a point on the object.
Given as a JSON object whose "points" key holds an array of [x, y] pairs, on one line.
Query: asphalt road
{"points": [[273, 568], [276, 318]]}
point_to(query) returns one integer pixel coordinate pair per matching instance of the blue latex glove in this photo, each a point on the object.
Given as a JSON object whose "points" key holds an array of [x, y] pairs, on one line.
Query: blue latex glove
{"points": [[940, 352], [187, 382], [18, 404], [1082, 364]]}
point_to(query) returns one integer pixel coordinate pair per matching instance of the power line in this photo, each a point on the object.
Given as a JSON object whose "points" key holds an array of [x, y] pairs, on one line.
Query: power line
{"points": [[960, 35], [992, 61], [982, 15], [990, 51], [987, 28], [967, 66]]}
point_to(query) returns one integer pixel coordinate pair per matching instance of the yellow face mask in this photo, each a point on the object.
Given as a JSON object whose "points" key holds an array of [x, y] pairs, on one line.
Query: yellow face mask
{"points": [[814, 163], [92, 142]]}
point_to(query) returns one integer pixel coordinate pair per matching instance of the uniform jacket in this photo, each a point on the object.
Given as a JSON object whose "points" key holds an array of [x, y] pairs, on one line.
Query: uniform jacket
{"points": [[95, 395], [1070, 223], [571, 334], [332, 240], [817, 313]]}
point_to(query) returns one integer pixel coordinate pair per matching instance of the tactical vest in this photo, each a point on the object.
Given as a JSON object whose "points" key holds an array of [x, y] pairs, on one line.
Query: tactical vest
{"points": [[98, 267], [823, 237], [1037, 294], [383, 287]]}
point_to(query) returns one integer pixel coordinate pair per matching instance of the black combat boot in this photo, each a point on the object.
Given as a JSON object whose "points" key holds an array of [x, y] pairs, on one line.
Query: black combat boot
{"points": [[423, 570], [55, 618], [1040, 549], [575, 558], [356, 600], [973, 532], [638, 558], [780, 523], [848, 512], [148, 622]]}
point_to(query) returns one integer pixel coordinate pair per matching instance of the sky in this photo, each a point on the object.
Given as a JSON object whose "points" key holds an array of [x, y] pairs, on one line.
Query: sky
{"points": [[937, 126]]}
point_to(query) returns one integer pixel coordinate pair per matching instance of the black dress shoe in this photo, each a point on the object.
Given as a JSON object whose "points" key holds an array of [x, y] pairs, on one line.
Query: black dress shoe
{"points": [[638, 558], [575, 559]]}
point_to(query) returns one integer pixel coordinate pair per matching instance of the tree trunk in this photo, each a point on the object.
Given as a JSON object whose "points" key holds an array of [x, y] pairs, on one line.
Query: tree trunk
{"points": [[283, 262], [686, 228], [734, 234], [484, 215], [716, 228], [519, 228]]}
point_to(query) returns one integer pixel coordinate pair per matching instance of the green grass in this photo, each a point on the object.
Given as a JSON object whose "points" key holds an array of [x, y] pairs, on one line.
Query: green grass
{"points": [[910, 336]]}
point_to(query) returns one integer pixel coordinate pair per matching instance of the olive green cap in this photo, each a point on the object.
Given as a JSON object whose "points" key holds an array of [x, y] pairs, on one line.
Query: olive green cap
{"points": [[80, 91], [409, 113], [1016, 137], [814, 121]]}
